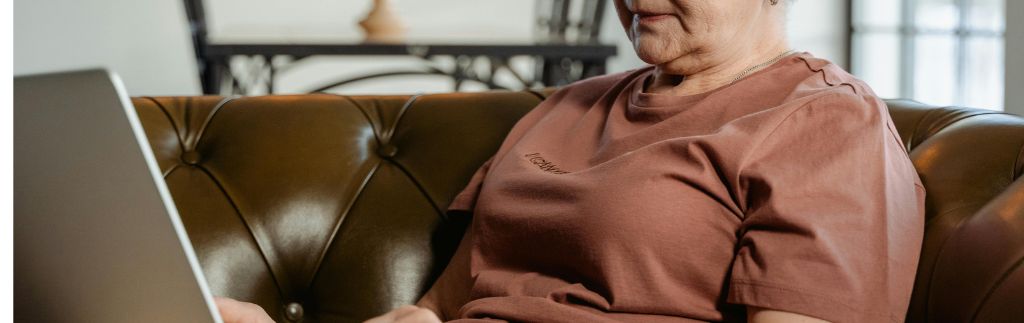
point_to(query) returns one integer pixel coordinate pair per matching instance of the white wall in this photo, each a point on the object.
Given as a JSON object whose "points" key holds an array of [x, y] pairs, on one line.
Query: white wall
{"points": [[145, 41], [1015, 57], [820, 27]]}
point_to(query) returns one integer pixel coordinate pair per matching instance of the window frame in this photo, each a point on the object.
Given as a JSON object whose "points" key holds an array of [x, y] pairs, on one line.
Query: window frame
{"points": [[908, 32]]}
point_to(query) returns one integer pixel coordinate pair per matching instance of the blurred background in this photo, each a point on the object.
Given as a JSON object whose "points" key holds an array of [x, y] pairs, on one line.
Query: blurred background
{"points": [[943, 52]]}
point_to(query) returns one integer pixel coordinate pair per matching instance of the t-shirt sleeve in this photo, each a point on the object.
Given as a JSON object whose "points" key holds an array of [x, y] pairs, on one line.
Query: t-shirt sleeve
{"points": [[833, 216], [466, 199]]}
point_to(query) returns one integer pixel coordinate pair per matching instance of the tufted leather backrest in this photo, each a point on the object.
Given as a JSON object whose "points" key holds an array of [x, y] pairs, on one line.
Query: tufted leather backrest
{"points": [[970, 269], [330, 208]]}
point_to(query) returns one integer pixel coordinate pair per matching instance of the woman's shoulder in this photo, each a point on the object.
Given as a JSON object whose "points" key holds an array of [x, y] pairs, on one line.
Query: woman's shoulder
{"points": [[818, 85], [847, 107], [830, 75]]}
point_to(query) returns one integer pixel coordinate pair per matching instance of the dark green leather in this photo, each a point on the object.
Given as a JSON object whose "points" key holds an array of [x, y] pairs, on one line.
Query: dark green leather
{"points": [[334, 204]]}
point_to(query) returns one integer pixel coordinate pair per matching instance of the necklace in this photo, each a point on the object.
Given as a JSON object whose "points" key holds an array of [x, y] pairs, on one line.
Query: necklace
{"points": [[759, 66]]}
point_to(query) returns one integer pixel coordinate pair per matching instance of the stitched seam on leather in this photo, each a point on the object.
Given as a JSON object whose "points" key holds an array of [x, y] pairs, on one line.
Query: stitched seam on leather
{"points": [[171, 170], [916, 130], [355, 196], [937, 127], [216, 182], [390, 131], [366, 115], [259, 246], [209, 118], [955, 119], [177, 133], [933, 219], [415, 182], [938, 253], [537, 94], [341, 220], [187, 120], [420, 188], [988, 295], [1017, 165]]}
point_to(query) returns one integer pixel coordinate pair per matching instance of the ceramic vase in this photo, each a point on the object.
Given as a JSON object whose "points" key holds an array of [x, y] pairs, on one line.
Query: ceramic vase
{"points": [[382, 24]]}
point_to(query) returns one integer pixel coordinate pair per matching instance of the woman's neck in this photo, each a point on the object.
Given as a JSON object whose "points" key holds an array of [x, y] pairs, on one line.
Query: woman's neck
{"points": [[698, 73]]}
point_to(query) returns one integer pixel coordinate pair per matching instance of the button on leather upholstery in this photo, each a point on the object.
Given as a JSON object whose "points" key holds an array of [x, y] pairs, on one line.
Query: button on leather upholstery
{"points": [[190, 157], [293, 312], [387, 150]]}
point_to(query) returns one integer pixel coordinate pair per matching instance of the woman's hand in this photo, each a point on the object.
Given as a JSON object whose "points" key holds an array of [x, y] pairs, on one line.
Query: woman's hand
{"points": [[764, 315], [407, 314], [232, 311]]}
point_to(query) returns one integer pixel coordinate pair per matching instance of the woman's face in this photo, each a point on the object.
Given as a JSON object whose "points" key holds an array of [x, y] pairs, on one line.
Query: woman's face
{"points": [[665, 30]]}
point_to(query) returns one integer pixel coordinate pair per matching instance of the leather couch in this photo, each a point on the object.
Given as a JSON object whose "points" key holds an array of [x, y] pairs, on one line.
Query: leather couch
{"points": [[325, 208]]}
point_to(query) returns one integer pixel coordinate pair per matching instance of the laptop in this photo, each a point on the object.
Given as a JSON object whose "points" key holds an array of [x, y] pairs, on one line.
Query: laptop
{"points": [[97, 237]]}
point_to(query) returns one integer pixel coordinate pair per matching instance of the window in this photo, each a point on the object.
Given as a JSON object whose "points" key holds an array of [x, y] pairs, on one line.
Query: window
{"points": [[942, 52]]}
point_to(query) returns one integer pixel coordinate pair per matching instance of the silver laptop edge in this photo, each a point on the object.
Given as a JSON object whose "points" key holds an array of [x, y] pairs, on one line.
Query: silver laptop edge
{"points": [[165, 194], [40, 247]]}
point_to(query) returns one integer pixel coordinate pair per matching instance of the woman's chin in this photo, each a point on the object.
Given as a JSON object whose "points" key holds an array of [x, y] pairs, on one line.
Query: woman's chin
{"points": [[652, 56]]}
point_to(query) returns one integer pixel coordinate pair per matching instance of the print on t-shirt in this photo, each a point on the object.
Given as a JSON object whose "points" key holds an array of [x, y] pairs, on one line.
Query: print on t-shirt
{"points": [[544, 164]]}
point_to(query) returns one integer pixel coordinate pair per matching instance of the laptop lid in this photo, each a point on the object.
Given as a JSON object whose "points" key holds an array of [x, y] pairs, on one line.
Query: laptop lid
{"points": [[97, 237]]}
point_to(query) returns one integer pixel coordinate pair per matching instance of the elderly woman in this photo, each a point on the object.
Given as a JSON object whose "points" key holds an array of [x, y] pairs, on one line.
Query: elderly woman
{"points": [[733, 180]]}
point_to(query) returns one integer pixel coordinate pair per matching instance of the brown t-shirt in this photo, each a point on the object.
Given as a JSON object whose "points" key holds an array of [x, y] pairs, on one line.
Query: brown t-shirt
{"points": [[789, 190]]}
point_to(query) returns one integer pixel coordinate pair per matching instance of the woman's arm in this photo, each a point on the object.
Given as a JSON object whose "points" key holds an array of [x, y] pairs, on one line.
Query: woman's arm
{"points": [[406, 314], [764, 315]]}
